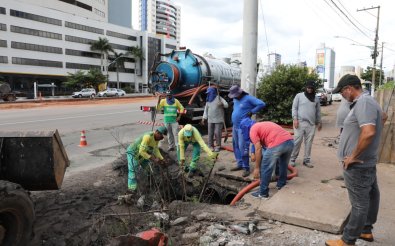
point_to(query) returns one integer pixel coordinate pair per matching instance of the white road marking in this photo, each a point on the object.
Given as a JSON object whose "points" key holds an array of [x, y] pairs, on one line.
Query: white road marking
{"points": [[66, 118]]}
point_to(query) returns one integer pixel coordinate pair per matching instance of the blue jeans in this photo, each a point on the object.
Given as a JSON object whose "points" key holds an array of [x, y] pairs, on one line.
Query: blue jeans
{"points": [[242, 158], [364, 196], [271, 156]]}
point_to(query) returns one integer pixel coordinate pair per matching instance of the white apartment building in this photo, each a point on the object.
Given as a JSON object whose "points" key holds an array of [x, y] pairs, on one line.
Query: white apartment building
{"points": [[161, 17], [325, 65], [43, 45]]}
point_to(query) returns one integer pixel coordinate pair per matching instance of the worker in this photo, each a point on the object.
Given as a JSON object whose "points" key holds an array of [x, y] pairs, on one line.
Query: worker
{"points": [[171, 107], [243, 105], [214, 113], [141, 152], [190, 135], [245, 126]]}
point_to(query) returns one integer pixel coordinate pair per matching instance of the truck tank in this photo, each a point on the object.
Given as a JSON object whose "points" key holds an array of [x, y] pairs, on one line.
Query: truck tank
{"points": [[188, 76]]}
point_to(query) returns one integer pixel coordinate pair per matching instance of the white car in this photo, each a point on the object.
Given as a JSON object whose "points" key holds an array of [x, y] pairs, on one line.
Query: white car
{"points": [[325, 96], [110, 92], [87, 92], [337, 97], [121, 92]]}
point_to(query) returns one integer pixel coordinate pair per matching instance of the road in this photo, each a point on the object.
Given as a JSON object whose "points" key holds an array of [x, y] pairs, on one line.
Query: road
{"points": [[109, 127]]}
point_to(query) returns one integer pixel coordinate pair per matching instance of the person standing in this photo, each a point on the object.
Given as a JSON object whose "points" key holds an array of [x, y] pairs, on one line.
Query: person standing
{"points": [[243, 105], [214, 114], [190, 135], [306, 115], [141, 151], [358, 150], [278, 145], [171, 106]]}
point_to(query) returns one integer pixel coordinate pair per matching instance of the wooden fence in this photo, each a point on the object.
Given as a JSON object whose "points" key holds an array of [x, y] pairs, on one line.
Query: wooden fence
{"points": [[386, 99]]}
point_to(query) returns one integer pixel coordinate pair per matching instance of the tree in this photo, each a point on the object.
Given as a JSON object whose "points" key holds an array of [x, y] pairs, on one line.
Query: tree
{"points": [[279, 89], [82, 79], [119, 61], [368, 74], [104, 46], [137, 53]]}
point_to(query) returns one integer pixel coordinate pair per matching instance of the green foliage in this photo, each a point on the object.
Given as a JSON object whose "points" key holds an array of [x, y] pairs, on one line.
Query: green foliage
{"points": [[368, 73], [102, 45], [279, 89], [388, 85], [82, 79], [136, 52]]}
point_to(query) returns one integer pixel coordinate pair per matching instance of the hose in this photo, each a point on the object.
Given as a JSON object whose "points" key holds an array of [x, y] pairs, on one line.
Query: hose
{"points": [[255, 183]]}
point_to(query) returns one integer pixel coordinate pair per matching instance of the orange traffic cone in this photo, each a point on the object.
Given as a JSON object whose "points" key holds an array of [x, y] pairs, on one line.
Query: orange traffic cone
{"points": [[83, 142]]}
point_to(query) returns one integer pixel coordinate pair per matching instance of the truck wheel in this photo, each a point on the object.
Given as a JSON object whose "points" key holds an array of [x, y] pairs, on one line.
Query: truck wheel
{"points": [[16, 215], [11, 98]]}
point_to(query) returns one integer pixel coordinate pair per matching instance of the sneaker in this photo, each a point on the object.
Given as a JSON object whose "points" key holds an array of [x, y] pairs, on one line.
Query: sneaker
{"points": [[246, 173], [259, 196], [292, 163], [279, 187], [308, 164], [217, 149], [236, 169]]}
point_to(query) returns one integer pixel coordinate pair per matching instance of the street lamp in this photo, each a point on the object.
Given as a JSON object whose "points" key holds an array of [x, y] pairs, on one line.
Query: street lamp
{"points": [[108, 66]]}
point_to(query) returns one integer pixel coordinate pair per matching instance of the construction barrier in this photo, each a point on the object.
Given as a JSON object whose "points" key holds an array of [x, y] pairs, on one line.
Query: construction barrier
{"points": [[83, 142]]}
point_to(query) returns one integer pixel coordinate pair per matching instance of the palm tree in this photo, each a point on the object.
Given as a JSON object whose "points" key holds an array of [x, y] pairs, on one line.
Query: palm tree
{"points": [[104, 46], [119, 62], [137, 53]]}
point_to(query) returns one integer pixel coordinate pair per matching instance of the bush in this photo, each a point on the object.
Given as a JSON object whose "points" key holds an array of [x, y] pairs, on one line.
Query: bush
{"points": [[279, 89]]}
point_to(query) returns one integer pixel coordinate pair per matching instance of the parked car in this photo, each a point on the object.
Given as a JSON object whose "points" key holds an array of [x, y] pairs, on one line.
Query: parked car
{"points": [[110, 92], [121, 92], [87, 92], [337, 97], [325, 96]]}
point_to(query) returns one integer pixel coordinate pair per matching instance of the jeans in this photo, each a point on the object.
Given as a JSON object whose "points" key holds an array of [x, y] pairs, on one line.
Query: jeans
{"points": [[364, 196], [306, 131], [214, 129], [243, 159], [172, 134], [280, 155]]}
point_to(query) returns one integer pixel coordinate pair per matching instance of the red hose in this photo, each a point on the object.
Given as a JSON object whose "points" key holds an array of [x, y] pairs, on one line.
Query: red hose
{"points": [[255, 183]]}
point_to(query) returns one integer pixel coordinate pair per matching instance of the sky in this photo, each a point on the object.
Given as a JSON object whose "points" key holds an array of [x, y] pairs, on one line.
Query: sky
{"points": [[216, 27]]}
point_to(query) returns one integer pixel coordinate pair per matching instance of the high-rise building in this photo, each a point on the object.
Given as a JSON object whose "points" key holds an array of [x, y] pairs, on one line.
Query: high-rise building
{"points": [[43, 44], [325, 65], [92, 9], [161, 17], [274, 60], [120, 12]]}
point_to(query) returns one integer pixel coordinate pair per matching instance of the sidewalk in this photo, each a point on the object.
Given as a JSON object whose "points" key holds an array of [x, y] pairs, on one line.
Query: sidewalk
{"points": [[315, 199]]}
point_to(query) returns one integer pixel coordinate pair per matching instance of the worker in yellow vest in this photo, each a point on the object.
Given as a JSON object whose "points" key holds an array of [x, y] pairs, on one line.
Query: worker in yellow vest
{"points": [[172, 113]]}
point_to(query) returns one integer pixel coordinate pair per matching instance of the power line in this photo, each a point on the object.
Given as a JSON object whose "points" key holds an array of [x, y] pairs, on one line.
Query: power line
{"points": [[354, 17], [264, 25], [350, 19]]}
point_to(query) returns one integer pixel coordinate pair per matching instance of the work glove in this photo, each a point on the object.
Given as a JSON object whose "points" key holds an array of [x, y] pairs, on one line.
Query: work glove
{"points": [[213, 155]]}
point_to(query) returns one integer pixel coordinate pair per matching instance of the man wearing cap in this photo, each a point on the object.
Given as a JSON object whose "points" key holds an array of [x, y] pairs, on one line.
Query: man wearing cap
{"points": [[306, 114], [171, 106], [141, 151], [358, 150], [243, 105], [190, 135], [214, 114]]}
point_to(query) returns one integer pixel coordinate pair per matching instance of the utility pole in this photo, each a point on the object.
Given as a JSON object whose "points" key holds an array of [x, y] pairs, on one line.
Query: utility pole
{"points": [[381, 63], [249, 51], [376, 39]]}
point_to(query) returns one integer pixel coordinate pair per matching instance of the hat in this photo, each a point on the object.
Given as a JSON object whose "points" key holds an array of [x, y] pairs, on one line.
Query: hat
{"points": [[235, 91], [188, 130], [310, 83], [346, 80], [162, 130]]}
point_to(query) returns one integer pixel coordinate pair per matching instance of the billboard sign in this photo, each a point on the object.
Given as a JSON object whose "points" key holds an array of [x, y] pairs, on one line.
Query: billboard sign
{"points": [[320, 58]]}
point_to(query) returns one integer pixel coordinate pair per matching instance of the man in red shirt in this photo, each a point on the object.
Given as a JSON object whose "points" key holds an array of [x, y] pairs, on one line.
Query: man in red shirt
{"points": [[273, 145]]}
